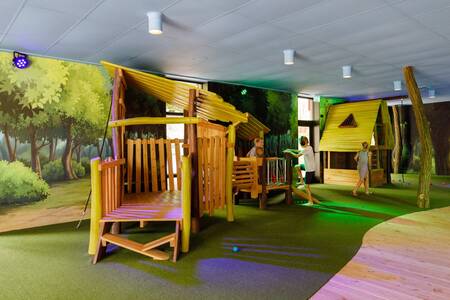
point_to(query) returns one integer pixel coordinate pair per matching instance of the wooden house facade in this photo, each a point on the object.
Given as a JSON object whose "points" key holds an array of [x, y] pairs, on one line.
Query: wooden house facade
{"points": [[347, 126]]}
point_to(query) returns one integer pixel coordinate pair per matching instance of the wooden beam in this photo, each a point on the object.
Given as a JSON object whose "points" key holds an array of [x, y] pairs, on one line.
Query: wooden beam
{"points": [[153, 121], [193, 152], [423, 128], [396, 152]]}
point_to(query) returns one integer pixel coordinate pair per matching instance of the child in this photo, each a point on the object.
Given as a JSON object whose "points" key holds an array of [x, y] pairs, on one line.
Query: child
{"points": [[310, 167], [362, 159], [258, 148]]}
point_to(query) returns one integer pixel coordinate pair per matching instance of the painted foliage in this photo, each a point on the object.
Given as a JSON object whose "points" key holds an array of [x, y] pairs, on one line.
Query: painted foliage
{"points": [[52, 119]]}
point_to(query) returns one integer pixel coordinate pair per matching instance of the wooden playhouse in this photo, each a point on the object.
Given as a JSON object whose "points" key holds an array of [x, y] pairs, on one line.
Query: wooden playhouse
{"points": [[347, 126], [159, 179]]}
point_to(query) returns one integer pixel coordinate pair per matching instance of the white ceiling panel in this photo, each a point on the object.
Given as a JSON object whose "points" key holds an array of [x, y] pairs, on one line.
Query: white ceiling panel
{"points": [[75, 8], [243, 40], [326, 12], [35, 29], [8, 9]]}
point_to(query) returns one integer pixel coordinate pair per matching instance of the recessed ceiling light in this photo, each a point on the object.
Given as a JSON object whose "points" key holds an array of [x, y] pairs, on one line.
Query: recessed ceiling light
{"points": [[346, 72], [289, 56], [397, 85], [154, 22]]}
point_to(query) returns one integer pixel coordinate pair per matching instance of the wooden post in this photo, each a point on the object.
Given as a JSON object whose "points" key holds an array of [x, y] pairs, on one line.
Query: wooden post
{"points": [[289, 179], [229, 172], [193, 152], [263, 182], [96, 206], [186, 204], [396, 152], [423, 193]]}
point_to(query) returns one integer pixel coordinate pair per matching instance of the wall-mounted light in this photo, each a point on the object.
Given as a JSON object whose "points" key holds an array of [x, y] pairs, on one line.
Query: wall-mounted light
{"points": [[20, 60], [289, 56], [346, 72], [154, 22], [431, 93], [397, 85]]}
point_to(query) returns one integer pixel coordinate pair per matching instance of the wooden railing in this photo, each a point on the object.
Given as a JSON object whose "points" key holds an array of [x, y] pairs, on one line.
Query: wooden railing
{"points": [[150, 165], [111, 184], [211, 172]]}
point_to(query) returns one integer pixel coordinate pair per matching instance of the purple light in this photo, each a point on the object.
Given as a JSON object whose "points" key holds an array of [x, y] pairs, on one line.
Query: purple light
{"points": [[20, 60]]}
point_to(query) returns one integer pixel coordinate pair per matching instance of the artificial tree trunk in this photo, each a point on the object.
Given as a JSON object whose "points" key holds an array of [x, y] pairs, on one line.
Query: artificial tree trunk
{"points": [[396, 152], [78, 152], [9, 147], [67, 154], [423, 129]]}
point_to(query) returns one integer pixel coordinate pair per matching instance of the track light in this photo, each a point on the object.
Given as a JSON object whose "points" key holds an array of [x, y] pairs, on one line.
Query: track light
{"points": [[346, 72], [289, 56], [154, 22], [20, 60], [397, 85]]}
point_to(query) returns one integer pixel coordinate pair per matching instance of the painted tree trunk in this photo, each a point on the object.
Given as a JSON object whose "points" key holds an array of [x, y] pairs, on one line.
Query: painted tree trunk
{"points": [[52, 149], [35, 161], [78, 151], [67, 154], [9, 147], [423, 128], [396, 152]]}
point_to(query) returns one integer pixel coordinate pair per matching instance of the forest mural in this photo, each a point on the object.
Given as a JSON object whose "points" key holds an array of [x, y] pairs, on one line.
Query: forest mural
{"points": [[277, 110], [52, 119]]}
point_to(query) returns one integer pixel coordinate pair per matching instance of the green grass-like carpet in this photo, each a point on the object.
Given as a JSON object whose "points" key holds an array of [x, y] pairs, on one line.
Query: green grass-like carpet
{"points": [[287, 252]]}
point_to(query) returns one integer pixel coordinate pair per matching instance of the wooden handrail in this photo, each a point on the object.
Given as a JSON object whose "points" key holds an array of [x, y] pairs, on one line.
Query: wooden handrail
{"points": [[111, 164]]}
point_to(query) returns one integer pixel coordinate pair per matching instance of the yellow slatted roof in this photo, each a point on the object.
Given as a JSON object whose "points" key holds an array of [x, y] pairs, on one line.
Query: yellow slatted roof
{"points": [[365, 114], [251, 129], [210, 106]]}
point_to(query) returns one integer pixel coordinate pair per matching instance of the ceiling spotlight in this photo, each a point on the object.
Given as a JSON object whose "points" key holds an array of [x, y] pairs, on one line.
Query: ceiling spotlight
{"points": [[346, 71], [289, 56], [20, 60], [154, 22], [397, 85], [431, 93]]}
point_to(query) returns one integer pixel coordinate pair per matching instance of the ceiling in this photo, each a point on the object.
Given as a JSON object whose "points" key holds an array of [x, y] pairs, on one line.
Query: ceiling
{"points": [[242, 41]]}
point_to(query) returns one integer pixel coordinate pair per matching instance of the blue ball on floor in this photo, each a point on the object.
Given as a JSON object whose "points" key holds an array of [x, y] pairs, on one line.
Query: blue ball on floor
{"points": [[236, 249]]}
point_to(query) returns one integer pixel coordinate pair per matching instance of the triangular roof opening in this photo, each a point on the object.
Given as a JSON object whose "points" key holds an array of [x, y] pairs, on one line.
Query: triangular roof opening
{"points": [[349, 122]]}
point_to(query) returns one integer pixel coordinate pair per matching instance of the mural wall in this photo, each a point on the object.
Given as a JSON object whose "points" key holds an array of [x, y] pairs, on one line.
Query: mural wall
{"points": [[276, 110], [52, 119]]}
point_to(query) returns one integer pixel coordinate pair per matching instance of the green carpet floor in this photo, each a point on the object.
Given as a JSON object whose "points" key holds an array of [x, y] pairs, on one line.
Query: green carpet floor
{"points": [[287, 252]]}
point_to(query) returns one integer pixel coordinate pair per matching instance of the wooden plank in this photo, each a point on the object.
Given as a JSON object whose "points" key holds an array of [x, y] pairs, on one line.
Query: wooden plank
{"points": [[153, 165], [161, 241], [130, 155], [212, 178], [111, 164], [145, 165], [138, 165], [206, 144], [170, 164], [178, 162], [216, 172], [200, 175], [134, 246], [162, 164]]}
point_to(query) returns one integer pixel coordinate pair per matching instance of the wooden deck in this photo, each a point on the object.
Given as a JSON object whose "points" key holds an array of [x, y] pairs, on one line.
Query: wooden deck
{"points": [[407, 257], [151, 206]]}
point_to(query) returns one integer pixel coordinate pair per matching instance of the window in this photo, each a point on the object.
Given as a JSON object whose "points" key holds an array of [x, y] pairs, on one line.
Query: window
{"points": [[305, 109]]}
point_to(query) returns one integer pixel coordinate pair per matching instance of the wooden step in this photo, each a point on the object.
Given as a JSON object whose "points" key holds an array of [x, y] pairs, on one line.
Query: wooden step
{"points": [[161, 241], [134, 246]]}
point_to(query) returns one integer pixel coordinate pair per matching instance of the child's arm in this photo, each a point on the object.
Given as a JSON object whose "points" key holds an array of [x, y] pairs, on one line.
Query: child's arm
{"points": [[356, 158]]}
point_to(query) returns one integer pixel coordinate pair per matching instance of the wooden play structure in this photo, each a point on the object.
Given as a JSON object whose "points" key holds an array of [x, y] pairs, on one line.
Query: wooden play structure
{"points": [[347, 126], [164, 180]]}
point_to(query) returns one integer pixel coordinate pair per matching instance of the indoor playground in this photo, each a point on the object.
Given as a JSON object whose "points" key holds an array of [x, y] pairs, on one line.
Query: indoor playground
{"points": [[240, 149]]}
